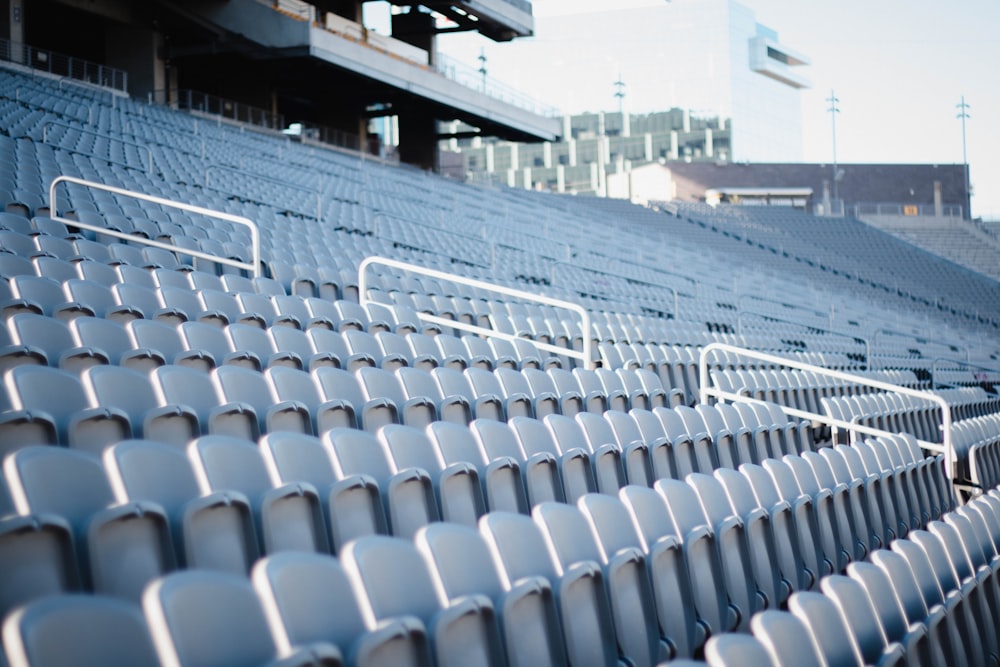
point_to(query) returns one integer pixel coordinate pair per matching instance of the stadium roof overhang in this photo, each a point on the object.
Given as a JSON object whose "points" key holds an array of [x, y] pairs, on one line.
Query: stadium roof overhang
{"points": [[500, 20], [312, 56]]}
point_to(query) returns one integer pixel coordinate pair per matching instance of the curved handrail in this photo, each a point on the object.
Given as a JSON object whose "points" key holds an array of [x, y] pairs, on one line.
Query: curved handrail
{"points": [[253, 267], [586, 355], [947, 447]]}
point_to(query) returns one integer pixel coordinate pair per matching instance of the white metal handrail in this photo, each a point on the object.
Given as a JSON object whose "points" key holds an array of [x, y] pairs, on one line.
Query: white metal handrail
{"points": [[254, 266], [707, 391], [586, 355]]}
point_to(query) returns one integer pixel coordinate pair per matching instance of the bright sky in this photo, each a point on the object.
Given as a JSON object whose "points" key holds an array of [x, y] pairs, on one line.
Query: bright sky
{"points": [[899, 68]]}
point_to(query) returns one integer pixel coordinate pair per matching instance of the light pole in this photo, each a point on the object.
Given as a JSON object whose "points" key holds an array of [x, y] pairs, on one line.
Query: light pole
{"points": [[963, 113], [482, 66], [833, 109], [620, 94]]}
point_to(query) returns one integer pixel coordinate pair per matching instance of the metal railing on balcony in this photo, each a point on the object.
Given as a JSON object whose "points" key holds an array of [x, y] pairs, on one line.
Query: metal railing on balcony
{"points": [[59, 64]]}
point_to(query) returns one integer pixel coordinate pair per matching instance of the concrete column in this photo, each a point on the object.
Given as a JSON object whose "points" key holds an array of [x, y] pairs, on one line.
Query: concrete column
{"points": [[571, 145], [547, 154], [418, 139], [13, 27], [560, 178], [938, 203], [626, 125], [709, 144], [416, 29], [567, 128], [490, 158], [515, 157], [137, 51], [595, 177], [647, 149], [675, 148], [526, 178], [687, 120], [512, 178]]}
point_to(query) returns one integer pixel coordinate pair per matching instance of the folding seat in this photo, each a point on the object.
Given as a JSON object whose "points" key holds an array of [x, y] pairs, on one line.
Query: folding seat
{"points": [[51, 339], [258, 343], [634, 455], [456, 486], [656, 522], [661, 447], [797, 513], [786, 639], [15, 265], [54, 265], [407, 495], [397, 582], [692, 452], [382, 389], [503, 486], [240, 385], [18, 244], [667, 572], [572, 544], [486, 384], [37, 557], [99, 298], [936, 579], [297, 388], [120, 547], [524, 352], [132, 393], [212, 340], [564, 384], [830, 635], [165, 340], [309, 599], [170, 278], [95, 272], [293, 306], [13, 222], [453, 353], [218, 301], [478, 352], [520, 553], [179, 385], [972, 571], [215, 618], [596, 394], [605, 459], [78, 629], [262, 306], [733, 650], [749, 532], [286, 339], [881, 511], [455, 384], [541, 467], [770, 437], [516, 390], [395, 346], [363, 343], [147, 301], [861, 620], [824, 525], [35, 417], [503, 353], [332, 343], [417, 384], [915, 637], [287, 517], [462, 565], [185, 300], [134, 275], [734, 447], [758, 438]]}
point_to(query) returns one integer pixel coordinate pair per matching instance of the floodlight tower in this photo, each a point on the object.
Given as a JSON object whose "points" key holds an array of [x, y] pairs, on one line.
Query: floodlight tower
{"points": [[833, 109], [963, 114], [482, 66], [620, 94]]}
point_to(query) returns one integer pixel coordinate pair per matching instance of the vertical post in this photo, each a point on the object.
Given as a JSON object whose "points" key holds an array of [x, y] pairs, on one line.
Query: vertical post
{"points": [[833, 109], [963, 114]]}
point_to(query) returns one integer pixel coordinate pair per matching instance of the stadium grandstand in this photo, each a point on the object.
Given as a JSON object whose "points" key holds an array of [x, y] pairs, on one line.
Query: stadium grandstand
{"points": [[270, 402]]}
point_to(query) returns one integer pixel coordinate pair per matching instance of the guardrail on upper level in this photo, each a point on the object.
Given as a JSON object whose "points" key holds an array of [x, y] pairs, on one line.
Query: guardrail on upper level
{"points": [[586, 355], [59, 64], [254, 266], [708, 391]]}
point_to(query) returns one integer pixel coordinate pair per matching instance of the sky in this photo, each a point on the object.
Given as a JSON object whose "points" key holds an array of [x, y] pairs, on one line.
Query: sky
{"points": [[898, 67]]}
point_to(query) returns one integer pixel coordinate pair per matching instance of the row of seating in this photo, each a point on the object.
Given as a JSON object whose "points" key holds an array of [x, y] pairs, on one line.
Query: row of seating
{"points": [[930, 599], [607, 580], [143, 507]]}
